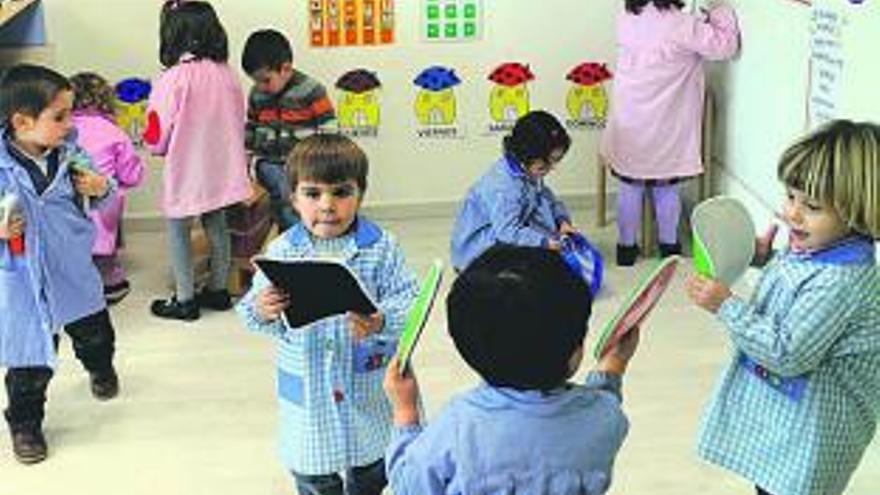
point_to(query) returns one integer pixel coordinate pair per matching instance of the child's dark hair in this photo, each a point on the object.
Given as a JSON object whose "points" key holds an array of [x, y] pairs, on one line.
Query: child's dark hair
{"points": [[635, 6], [517, 315], [29, 89], [93, 92], [839, 164], [190, 27], [536, 135], [328, 158], [265, 49]]}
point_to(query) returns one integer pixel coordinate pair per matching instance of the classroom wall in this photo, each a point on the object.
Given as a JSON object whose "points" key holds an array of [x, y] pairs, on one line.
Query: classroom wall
{"points": [[762, 94], [119, 39]]}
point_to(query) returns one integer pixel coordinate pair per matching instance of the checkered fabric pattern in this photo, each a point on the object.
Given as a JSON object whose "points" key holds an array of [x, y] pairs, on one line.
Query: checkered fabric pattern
{"points": [[332, 415], [819, 321]]}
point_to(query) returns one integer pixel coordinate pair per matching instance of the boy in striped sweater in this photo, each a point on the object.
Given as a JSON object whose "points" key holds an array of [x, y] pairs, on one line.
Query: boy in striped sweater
{"points": [[284, 105]]}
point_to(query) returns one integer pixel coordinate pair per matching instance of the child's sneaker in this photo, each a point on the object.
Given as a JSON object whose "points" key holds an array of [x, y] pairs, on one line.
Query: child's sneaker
{"points": [[218, 300], [116, 292], [29, 445], [176, 310], [104, 385]]}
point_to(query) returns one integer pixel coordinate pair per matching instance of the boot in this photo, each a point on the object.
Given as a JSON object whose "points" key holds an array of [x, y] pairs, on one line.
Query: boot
{"points": [[28, 443], [104, 385], [176, 310]]}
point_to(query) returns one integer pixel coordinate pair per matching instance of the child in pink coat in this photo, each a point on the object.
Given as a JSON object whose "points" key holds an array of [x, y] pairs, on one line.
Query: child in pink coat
{"points": [[195, 119], [113, 155], [653, 133]]}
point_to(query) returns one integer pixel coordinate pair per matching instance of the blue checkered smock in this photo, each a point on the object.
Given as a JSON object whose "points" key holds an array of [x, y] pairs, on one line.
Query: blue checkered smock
{"points": [[333, 412], [798, 404]]}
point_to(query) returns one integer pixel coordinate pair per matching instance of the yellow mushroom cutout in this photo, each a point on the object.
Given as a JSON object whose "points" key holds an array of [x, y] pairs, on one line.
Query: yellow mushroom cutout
{"points": [[509, 98], [131, 106], [587, 101], [435, 103], [359, 102]]}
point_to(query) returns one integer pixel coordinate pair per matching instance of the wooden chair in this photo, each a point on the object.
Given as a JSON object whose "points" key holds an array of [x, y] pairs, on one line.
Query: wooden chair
{"points": [[705, 181]]}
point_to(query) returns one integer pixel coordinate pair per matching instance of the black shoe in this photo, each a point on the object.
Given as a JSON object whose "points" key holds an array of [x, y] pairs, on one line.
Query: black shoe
{"points": [[116, 292], [217, 300], [176, 310], [29, 445], [669, 249], [626, 255], [104, 385]]}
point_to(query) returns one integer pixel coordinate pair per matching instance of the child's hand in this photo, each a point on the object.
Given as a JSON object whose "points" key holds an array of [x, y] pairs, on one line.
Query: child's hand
{"points": [[553, 244], [89, 183], [707, 293], [764, 245], [13, 229], [566, 228], [363, 325], [617, 360], [403, 392], [270, 303]]}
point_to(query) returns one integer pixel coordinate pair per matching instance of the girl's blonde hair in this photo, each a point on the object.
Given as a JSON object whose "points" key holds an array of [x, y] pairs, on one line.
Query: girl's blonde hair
{"points": [[839, 164], [93, 92]]}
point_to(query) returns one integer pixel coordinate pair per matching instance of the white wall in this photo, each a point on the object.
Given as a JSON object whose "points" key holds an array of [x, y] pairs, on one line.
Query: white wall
{"points": [[763, 92], [119, 39]]}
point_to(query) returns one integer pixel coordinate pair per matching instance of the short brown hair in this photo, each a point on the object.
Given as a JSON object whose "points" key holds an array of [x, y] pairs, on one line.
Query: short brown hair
{"points": [[328, 158], [93, 92]]}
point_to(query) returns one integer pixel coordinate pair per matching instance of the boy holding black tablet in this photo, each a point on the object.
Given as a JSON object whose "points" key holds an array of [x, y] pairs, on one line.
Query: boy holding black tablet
{"points": [[334, 417]]}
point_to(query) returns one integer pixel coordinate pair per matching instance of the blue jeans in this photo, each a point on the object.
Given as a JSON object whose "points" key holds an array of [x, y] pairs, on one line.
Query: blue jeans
{"points": [[364, 480], [273, 176]]}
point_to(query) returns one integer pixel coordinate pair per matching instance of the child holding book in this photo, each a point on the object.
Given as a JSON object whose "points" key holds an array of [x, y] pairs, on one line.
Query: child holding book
{"points": [[334, 418], [518, 317], [797, 405]]}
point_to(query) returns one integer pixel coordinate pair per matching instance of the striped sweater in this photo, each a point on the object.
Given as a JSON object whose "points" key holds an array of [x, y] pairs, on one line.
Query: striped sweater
{"points": [[276, 121]]}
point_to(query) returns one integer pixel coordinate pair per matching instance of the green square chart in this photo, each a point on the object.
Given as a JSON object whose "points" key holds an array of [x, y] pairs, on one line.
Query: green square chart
{"points": [[452, 20]]}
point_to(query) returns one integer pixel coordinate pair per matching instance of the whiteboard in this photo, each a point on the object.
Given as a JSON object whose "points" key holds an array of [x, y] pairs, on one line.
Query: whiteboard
{"points": [[762, 94]]}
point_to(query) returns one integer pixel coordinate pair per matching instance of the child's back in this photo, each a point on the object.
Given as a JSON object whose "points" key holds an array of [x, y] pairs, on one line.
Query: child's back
{"points": [[197, 122], [518, 316]]}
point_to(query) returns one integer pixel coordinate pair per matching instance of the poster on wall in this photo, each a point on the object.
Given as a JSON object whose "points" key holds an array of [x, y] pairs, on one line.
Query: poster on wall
{"points": [[452, 20], [509, 95], [131, 107], [351, 22], [358, 112], [827, 25], [436, 105], [586, 102]]}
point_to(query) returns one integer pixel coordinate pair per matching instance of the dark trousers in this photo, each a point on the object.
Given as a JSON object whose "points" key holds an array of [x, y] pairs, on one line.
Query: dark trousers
{"points": [[93, 344], [364, 480]]}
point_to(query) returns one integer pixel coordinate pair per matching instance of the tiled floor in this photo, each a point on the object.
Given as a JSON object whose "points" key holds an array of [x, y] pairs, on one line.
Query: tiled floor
{"points": [[197, 411]]}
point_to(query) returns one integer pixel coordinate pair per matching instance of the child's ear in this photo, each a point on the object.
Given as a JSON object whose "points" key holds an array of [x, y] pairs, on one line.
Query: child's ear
{"points": [[21, 122]]}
